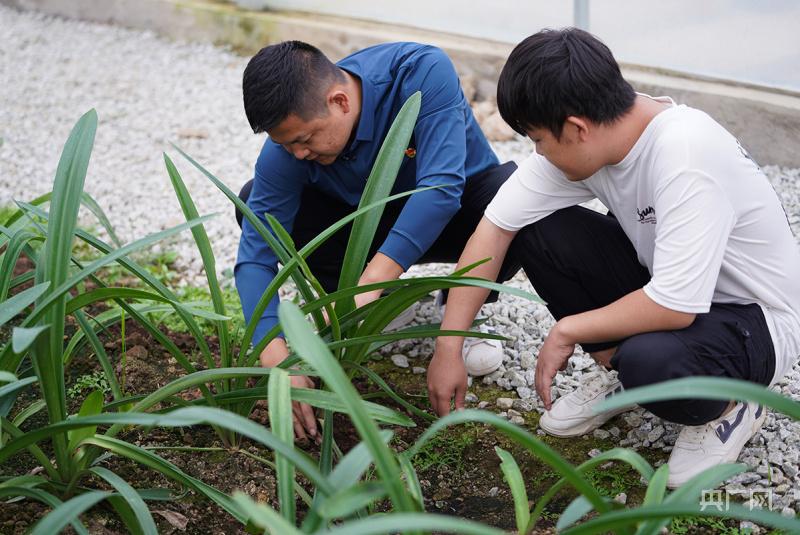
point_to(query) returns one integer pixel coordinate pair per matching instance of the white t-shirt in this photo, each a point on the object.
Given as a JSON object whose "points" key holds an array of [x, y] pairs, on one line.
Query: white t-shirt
{"points": [[703, 219]]}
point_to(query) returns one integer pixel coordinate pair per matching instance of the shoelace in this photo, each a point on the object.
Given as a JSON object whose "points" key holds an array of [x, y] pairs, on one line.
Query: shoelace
{"points": [[471, 342], [695, 434], [698, 433]]}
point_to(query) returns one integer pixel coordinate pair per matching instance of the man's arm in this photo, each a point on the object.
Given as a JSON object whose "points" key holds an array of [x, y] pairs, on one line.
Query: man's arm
{"points": [[447, 376], [256, 264], [381, 268], [440, 135], [632, 314]]}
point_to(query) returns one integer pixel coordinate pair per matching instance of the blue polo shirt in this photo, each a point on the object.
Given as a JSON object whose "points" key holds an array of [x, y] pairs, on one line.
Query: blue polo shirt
{"points": [[449, 147]]}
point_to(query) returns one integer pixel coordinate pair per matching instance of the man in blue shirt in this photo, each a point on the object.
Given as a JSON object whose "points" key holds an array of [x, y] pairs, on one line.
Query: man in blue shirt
{"points": [[326, 123]]}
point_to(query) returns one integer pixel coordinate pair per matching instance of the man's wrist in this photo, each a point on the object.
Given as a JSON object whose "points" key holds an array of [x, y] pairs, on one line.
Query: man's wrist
{"points": [[275, 353], [564, 331], [449, 345], [381, 268]]}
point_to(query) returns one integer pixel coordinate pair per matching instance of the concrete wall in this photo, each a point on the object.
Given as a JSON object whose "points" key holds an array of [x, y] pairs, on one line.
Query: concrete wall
{"points": [[766, 121]]}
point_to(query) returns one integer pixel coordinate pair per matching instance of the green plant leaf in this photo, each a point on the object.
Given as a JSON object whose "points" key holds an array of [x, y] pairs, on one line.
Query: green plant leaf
{"points": [[348, 472], [92, 205], [410, 522], [630, 457], [9, 429], [691, 491], [523, 439], [321, 399], [149, 459], [104, 294], [27, 412], [14, 387], [68, 512], [309, 346], [350, 499], [412, 481], [516, 483], [14, 305], [576, 510], [281, 422], [704, 388], [92, 405], [627, 517], [263, 516], [207, 256], [57, 251], [7, 377], [352, 466], [379, 185], [179, 418], [19, 242], [23, 337], [43, 497], [656, 491], [377, 380], [28, 481], [129, 494], [657, 487]]}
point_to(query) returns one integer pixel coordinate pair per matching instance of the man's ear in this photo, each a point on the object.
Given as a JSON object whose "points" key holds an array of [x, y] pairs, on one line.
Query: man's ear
{"points": [[580, 125], [339, 99]]}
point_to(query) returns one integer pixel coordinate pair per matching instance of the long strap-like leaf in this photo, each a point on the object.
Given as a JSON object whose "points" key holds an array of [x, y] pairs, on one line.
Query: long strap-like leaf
{"points": [[379, 185]]}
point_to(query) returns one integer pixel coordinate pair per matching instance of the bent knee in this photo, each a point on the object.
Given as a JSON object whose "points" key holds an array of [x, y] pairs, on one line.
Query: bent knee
{"points": [[651, 358]]}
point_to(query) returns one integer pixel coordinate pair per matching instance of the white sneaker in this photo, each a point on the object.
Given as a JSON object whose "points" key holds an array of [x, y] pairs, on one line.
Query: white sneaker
{"points": [[574, 414], [700, 447], [403, 319], [482, 356]]}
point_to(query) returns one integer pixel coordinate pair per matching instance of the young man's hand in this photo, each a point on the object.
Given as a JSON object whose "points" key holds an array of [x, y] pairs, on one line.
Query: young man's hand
{"points": [[447, 379], [553, 356], [305, 424], [447, 374]]}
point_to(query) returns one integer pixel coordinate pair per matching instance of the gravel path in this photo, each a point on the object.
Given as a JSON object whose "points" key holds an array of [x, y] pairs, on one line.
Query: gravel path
{"points": [[149, 92]]}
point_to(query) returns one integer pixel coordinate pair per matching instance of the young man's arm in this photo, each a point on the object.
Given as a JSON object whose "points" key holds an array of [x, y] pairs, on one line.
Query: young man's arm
{"points": [[632, 314], [447, 376], [695, 220]]}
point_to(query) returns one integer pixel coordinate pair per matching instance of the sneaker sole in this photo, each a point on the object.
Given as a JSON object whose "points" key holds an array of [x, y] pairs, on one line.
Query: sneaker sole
{"points": [[580, 430]]}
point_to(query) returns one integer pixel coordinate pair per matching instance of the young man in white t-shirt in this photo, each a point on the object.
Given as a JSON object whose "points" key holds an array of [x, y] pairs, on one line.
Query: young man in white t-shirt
{"points": [[693, 272]]}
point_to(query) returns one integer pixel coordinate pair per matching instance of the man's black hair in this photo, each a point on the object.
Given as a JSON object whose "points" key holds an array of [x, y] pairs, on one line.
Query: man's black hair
{"points": [[554, 74], [291, 77]]}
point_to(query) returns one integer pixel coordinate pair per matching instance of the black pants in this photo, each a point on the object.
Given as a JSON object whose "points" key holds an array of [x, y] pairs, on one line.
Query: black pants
{"points": [[318, 211], [579, 260]]}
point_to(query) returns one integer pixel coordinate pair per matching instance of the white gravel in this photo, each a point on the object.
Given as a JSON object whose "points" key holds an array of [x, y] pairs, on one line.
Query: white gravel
{"points": [[149, 92]]}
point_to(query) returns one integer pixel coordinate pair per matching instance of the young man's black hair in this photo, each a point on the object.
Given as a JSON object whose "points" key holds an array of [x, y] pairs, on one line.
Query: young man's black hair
{"points": [[286, 78], [555, 74]]}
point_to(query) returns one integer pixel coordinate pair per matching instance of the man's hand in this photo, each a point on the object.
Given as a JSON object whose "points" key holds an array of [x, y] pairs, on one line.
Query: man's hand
{"points": [[305, 424], [553, 356], [447, 378]]}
